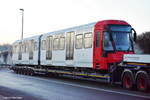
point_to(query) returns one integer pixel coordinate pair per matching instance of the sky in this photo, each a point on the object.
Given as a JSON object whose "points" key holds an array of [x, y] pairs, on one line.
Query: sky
{"points": [[42, 16]]}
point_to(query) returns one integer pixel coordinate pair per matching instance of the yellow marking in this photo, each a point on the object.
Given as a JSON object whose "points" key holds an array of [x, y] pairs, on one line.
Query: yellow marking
{"points": [[99, 76], [82, 74], [79, 74], [136, 64], [65, 72], [51, 71]]}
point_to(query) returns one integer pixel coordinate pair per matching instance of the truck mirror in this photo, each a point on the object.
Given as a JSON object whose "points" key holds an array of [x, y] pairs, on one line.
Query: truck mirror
{"points": [[134, 34]]}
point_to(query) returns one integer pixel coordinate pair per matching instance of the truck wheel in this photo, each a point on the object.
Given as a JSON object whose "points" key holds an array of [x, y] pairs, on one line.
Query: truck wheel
{"points": [[142, 81], [128, 80]]}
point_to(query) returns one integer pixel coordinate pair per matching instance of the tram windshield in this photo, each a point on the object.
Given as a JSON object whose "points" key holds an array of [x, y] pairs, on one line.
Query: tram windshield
{"points": [[120, 35]]}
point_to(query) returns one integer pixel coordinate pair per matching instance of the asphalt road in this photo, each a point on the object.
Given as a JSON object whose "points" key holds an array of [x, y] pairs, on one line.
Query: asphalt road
{"points": [[21, 87]]}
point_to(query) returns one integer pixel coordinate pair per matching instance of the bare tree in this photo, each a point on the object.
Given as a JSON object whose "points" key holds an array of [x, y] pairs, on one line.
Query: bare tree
{"points": [[143, 41]]}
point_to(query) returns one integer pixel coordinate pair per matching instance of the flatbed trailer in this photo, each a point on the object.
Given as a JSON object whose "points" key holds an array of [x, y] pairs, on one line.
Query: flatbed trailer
{"points": [[132, 72], [105, 77]]}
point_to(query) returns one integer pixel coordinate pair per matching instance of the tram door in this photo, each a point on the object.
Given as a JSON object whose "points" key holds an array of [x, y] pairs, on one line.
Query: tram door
{"points": [[70, 46]]}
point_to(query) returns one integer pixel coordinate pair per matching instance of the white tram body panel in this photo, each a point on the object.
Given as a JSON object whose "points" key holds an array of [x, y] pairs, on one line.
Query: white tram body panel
{"points": [[26, 51], [71, 47]]}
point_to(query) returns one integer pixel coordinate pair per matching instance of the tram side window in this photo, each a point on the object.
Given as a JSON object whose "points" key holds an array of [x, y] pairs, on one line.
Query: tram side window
{"points": [[97, 39], [31, 46], [56, 43], [43, 44], [15, 49], [27, 46], [88, 40], [24, 47], [20, 47], [79, 41], [62, 43], [47, 44], [35, 46]]}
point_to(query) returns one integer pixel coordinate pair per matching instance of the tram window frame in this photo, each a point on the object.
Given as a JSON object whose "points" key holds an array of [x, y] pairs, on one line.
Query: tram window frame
{"points": [[98, 39], [35, 46], [89, 43], [43, 43], [56, 44], [78, 43], [61, 43]]}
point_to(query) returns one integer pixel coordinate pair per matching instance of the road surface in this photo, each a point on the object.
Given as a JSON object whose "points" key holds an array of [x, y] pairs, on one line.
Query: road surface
{"points": [[22, 87]]}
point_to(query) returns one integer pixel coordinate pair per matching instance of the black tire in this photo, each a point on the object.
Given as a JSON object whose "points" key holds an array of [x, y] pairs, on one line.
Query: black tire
{"points": [[28, 72], [16, 70], [128, 81], [142, 81], [31, 72], [23, 71], [19, 71]]}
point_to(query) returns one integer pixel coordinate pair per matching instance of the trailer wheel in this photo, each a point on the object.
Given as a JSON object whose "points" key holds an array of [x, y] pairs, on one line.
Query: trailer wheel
{"points": [[19, 70], [28, 72], [31, 72], [142, 81], [128, 80], [24, 71], [16, 70]]}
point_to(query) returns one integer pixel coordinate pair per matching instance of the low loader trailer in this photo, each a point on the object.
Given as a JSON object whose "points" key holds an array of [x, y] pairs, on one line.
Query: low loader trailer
{"points": [[133, 72]]}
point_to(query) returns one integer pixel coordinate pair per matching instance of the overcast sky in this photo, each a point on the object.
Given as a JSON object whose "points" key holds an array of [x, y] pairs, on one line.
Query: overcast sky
{"points": [[41, 16]]}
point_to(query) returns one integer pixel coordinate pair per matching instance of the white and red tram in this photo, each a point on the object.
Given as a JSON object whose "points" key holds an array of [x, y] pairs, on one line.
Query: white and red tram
{"points": [[94, 45]]}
